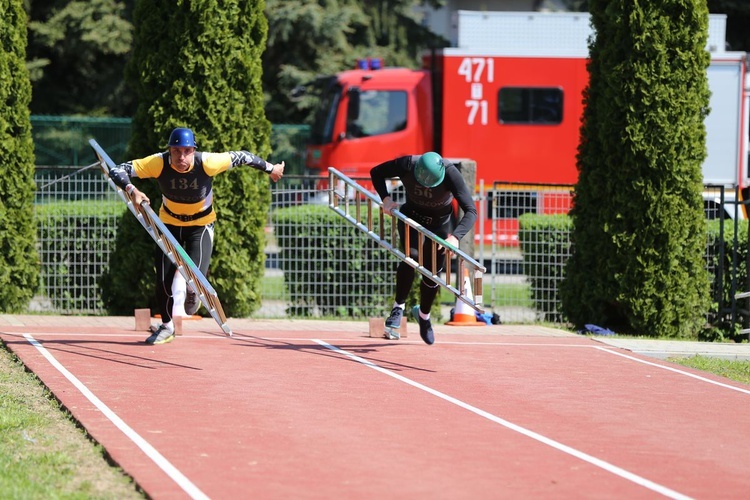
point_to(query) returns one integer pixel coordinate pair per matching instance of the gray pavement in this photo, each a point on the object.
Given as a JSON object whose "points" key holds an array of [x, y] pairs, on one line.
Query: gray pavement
{"points": [[663, 349]]}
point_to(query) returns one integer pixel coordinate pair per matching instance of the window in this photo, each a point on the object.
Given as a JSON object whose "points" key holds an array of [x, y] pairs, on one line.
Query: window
{"points": [[530, 105], [322, 129], [380, 112]]}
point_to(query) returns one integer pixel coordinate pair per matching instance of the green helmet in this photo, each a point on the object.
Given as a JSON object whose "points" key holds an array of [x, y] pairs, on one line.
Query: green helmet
{"points": [[429, 170]]}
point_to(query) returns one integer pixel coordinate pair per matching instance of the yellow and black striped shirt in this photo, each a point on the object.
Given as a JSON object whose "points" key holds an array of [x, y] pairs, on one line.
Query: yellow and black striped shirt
{"points": [[187, 197]]}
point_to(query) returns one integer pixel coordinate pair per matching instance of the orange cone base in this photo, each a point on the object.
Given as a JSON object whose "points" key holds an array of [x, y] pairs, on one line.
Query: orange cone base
{"points": [[184, 318], [465, 320]]}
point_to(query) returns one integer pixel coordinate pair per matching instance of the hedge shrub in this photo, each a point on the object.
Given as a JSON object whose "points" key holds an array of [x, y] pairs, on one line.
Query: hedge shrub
{"points": [[19, 261], [545, 246], [330, 267], [198, 65], [728, 267], [637, 264], [76, 239]]}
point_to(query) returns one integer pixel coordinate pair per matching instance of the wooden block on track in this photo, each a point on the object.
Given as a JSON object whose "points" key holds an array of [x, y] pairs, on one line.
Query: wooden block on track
{"points": [[403, 328], [142, 319], [377, 328]]}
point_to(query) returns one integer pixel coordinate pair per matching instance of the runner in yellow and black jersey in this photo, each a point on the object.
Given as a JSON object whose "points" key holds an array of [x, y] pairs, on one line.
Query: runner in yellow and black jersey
{"points": [[185, 179]]}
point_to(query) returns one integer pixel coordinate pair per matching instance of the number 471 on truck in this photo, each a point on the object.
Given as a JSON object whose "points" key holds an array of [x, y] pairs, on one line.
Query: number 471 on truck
{"points": [[508, 97]]}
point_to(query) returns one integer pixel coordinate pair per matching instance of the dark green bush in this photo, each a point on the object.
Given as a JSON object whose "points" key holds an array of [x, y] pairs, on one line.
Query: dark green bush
{"points": [[637, 264], [19, 261], [728, 267], [330, 267], [129, 281], [207, 76], [75, 237], [545, 245]]}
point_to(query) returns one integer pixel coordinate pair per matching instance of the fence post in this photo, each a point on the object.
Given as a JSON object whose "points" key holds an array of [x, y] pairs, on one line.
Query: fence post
{"points": [[468, 169]]}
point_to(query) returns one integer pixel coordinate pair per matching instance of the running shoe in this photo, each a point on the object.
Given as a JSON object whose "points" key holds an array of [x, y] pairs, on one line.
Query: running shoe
{"points": [[425, 327], [162, 335], [394, 320]]}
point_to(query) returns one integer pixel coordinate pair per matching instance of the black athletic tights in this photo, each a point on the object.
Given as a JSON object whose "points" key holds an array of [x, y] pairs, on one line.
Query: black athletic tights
{"points": [[428, 289], [198, 242]]}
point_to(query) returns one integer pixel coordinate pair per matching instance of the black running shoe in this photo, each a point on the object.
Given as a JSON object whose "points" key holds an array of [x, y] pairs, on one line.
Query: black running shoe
{"points": [[425, 327], [394, 320]]}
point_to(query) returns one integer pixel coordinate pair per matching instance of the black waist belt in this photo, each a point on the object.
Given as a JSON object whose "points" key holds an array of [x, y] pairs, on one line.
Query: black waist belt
{"points": [[430, 220], [424, 220], [189, 218]]}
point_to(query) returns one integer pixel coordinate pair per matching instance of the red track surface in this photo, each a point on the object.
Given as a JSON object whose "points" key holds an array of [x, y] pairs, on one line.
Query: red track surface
{"points": [[312, 409]]}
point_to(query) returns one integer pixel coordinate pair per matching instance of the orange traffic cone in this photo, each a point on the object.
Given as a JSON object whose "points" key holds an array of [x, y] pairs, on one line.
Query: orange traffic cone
{"points": [[463, 314]]}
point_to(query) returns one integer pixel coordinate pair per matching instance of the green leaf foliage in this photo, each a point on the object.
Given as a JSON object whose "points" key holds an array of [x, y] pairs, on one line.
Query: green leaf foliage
{"points": [[128, 282], [197, 64], [76, 237], [77, 50], [728, 266], [19, 261], [309, 38], [639, 228]]}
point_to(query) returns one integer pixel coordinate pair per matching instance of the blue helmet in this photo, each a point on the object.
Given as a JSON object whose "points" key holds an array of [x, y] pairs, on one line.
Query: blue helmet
{"points": [[429, 170], [182, 137]]}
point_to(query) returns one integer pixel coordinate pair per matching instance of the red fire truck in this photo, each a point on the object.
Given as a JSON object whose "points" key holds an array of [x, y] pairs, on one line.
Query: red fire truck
{"points": [[510, 98]]}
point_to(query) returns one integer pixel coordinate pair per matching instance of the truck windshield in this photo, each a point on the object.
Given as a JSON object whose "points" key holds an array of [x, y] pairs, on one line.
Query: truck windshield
{"points": [[322, 128], [380, 112]]}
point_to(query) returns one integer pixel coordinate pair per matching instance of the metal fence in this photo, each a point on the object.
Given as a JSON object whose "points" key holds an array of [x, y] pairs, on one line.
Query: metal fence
{"points": [[78, 219], [74, 252], [64, 140], [516, 292]]}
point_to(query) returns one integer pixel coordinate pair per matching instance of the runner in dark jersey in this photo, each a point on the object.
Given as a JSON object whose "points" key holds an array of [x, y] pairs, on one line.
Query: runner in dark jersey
{"points": [[185, 177], [432, 184]]}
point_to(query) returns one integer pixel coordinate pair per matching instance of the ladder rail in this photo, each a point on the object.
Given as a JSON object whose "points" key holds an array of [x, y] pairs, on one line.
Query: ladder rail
{"points": [[340, 202], [168, 244]]}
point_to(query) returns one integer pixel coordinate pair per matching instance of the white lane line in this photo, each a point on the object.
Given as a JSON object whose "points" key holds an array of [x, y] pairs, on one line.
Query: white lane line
{"points": [[669, 493], [164, 464], [611, 350]]}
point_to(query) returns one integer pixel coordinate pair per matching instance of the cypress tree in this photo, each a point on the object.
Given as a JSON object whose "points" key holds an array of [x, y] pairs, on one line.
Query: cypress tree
{"points": [[19, 261], [639, 227], [197, 64]]}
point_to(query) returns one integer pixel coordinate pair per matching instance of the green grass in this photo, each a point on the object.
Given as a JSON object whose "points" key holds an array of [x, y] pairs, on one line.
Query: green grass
{"points": [[732, 369], [43, 454], [272, 287], [514, 294], [506, 295], [104, 208]]}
